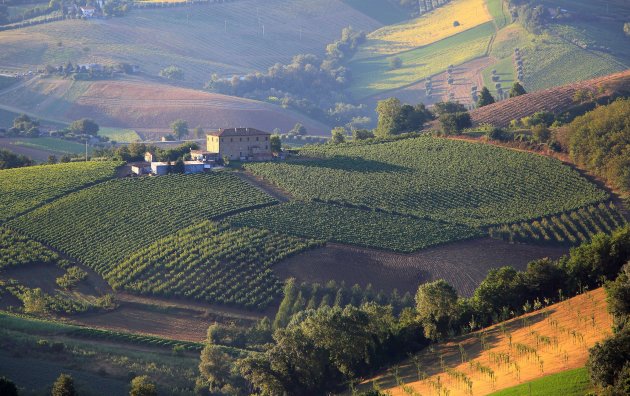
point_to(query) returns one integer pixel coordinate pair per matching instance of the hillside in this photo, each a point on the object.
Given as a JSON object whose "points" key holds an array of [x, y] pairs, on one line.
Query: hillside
{"points": [[555, 100], [538, 344], [147, 107], [225, 38]]}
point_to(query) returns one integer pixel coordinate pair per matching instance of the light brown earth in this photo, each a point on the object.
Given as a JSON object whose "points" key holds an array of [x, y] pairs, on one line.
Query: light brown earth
{"points": [[463, 264], [571, 326]]}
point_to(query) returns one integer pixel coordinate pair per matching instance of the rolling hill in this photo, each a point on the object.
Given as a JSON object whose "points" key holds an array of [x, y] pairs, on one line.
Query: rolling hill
{"points": [[555, 100], [147, 107]]}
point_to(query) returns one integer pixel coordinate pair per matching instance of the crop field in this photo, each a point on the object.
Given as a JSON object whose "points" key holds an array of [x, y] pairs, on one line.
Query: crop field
{"points": [[374, 75], [138, 105], [381, 10], [568, 228], [18, 250], [500, 13], [446, 180], [224, 38], [354, 226], [426, 29], [52, 144], [104, 224], [23, 189], [120, 135], [210, 262], [554, 100], [551, 340], [574, 382]]}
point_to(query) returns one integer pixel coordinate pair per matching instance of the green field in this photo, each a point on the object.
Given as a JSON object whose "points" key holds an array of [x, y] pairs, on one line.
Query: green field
{"points": [[23, 189], [373, 75], [354, 226], [506, 72], [120, 135], [210, 262], [56, 145], [445, 180], [567, 383], [104, 224], [381, 10], [500, 13]]}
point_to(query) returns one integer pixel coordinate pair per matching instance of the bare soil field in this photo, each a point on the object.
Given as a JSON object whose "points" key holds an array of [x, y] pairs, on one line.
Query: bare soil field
{"points": [[140, 105], [465, 76], [463, 264], [555, 100], [548, 341]]}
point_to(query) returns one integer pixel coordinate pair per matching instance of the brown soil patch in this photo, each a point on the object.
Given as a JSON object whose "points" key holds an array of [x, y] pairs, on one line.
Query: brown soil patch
{"points": [[555, 100], [465, 76], [463, 264], [570, 328]]}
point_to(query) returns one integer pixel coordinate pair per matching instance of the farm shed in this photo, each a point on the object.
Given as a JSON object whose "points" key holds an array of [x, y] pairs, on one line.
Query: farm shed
{"points": [[193, 166], [159, 168], [141, 168]]}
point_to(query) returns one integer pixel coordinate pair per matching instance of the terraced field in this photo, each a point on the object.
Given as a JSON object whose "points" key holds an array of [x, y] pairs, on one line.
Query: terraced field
{"points": [[23, 189], [224, 38], [145, 106], [439, 179], [104, 224]]}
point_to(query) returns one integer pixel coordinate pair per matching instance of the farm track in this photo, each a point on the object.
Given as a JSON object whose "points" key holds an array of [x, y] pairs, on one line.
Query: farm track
{"points": [[269, 188]]}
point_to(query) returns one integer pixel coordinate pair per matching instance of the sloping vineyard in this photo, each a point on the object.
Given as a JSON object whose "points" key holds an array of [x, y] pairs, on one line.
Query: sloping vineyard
{"points": [[17, 250], [25, 188], [104, 224], [452, 181], [210, 262], [354, 226], [568, 228]]}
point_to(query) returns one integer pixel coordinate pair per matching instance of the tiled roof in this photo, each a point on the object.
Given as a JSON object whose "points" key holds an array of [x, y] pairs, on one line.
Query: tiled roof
{"points": [[238, 132]]}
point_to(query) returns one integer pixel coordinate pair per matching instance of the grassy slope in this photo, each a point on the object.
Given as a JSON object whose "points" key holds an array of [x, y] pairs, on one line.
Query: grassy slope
{"points": [[585, 315], [194, 37], [52, 144], [567, 383], [120, 135], [381, 10], [374, 75]]}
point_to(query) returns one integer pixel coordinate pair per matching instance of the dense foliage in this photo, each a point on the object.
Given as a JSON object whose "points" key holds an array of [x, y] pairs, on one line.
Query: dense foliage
{"points": [[599, 141], [26, 188], [10, 160], [568, 228], [355, 226], [210, 262], [104, 224], [439, 179], [395, 117]]}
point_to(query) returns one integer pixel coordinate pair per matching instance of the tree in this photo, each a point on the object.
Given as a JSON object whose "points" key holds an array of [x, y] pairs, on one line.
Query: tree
{"points": [[388, 111], [517, 90], [435, 305], [448, 108], [485, 98], [541, 133], [275, 144], [7, 387], [177, 167], [10, 160], [172, 73], [503, 287], [298, 129], [362, 134], [180, 129], [52, 159], [34, 301], [199, 133], [453, 123], [338, 135], [84, 126], [607, 359], [64, 386], [142, 386]]}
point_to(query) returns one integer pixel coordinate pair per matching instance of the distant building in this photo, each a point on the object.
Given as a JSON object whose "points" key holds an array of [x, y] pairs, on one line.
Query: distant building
{"points": [[193, 167], [87, 12], [149, 157], [204, 156], [162, 168], [141, 168], [247, 144], [159, 168]]}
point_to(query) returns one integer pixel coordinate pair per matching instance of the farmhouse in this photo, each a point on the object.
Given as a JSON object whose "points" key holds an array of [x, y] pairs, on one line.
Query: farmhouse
{"points": [[162, 168], [247, 144]]}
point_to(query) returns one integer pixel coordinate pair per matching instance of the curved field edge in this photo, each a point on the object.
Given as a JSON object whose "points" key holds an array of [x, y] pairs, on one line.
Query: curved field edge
{"points": [[436, 179], [574, 382], [354, 226], [101, 225], [210, 262], [24, 189]]}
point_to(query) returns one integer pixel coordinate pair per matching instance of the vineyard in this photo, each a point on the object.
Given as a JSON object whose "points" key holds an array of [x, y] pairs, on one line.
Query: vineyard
{"points": [[439, 179], [547, 341], [354, 226], [425, 30], [568, 228], [555, 100], [23, 189], [210, 262], [103, 224], [371, 76], [18, 250]]}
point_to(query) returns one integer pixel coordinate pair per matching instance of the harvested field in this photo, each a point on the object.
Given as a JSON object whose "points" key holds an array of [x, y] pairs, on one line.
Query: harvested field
{"points": [[548, 341], [555, 100], [462, 264], [139, 105]]}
